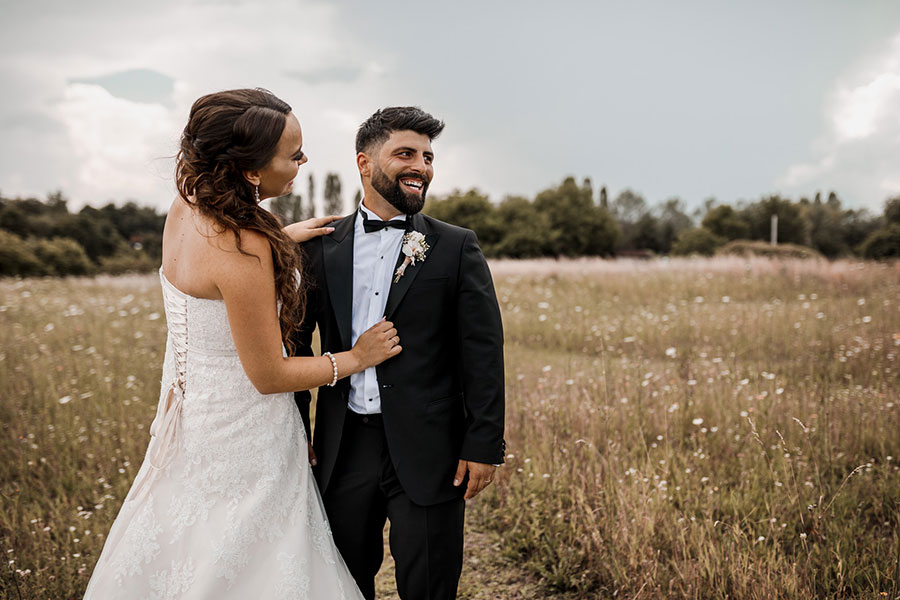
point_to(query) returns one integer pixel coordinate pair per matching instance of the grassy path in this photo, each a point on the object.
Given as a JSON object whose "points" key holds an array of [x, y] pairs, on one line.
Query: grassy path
{"points": [[487, 573]]}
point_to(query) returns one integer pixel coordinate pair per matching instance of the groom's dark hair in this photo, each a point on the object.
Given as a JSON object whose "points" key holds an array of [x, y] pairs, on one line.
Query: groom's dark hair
{"points": [[378, 128]]}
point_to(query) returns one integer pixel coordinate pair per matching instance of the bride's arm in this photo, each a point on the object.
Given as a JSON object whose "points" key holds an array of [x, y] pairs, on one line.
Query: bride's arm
{"points": [[247, 284]]}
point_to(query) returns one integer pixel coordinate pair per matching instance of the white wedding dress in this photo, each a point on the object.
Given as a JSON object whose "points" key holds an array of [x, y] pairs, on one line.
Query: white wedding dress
{"points": [[224, 505]]}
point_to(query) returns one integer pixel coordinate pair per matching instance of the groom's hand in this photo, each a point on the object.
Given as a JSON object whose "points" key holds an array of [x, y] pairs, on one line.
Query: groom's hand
{"points": [[480, 476], [312, 456]]}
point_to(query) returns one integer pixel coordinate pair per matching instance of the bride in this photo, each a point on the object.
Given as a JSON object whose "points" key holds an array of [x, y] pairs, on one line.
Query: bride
{"points": [[225, 505]]}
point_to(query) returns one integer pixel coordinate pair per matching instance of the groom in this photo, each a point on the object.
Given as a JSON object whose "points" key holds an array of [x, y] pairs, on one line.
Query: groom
{"points": [[413, 438]]}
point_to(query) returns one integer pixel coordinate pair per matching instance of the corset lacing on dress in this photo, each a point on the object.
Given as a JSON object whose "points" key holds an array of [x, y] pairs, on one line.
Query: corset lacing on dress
{"points": [[166, 426]]}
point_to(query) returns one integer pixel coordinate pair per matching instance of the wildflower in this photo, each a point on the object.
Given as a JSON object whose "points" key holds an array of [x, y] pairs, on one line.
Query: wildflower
{"points": [[697, 421], [671, 352], [65, 400]]}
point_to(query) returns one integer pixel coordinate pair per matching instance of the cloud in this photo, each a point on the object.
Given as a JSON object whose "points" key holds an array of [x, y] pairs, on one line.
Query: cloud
{"points": [[120, 147], [137, 85], [28, 121], [98, 105], [327, 75], [857, 154]]}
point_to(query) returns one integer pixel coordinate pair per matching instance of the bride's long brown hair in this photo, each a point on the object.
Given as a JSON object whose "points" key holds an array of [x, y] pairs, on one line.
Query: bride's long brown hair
{"points": [[227, 134]]}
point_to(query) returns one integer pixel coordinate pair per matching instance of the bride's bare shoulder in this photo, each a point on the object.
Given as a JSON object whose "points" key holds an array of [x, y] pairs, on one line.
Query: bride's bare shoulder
{"points": [[205, 234], [200, 255]]}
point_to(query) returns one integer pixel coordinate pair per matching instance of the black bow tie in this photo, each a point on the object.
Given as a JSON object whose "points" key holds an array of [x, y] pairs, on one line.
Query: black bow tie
{"points": [[371, 225]]}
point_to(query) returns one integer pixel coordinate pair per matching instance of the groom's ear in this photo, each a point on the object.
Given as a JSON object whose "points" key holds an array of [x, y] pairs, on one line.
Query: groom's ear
{"points": [[364, 164], [252, 177]]}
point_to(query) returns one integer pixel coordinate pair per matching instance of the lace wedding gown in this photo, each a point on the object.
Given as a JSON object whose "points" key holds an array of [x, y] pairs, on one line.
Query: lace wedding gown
{"points": [[224, 505]]}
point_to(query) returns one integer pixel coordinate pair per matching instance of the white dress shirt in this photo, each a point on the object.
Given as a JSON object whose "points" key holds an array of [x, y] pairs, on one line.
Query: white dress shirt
{"points": [[374, 257]]}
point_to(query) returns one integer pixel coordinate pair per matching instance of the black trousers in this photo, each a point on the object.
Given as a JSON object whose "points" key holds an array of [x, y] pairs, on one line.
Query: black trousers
{"points": [[426, 541]]}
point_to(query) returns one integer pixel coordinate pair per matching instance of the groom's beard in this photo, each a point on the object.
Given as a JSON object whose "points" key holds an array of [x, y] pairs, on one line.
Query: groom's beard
{"points": [[393, 192]]}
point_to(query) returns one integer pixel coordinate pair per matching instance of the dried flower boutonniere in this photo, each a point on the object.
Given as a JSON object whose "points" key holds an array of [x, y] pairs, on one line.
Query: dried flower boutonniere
{"points": [[414, 248]]}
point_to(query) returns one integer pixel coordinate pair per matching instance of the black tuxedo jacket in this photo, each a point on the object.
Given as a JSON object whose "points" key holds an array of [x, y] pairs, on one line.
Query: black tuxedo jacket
{"points": [[442, 397]]}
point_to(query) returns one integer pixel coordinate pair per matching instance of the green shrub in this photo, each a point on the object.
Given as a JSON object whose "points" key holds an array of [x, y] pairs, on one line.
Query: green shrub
{"points": [[755, 248], [883, 243], [17, 257], [699, 240], [62, 256]]}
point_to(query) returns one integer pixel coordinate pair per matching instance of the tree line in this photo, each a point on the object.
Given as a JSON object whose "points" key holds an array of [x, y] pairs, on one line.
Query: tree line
{"points": [[42, 237], [571, 220]]}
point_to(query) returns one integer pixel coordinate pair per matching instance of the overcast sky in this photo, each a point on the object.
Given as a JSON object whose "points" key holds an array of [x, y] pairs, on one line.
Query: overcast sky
{"points": [[688, 98]]}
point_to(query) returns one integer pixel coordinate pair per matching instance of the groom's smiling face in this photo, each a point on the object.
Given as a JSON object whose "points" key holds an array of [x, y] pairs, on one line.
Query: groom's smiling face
{"points": [[402, 167]]}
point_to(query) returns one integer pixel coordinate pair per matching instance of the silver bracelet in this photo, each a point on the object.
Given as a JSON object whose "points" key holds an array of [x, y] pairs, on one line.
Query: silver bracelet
{"points": [[334, 368]]}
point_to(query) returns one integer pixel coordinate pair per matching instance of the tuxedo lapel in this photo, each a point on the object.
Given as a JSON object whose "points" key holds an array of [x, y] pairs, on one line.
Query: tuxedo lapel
{"points": [[399, 289], [337, 251]]}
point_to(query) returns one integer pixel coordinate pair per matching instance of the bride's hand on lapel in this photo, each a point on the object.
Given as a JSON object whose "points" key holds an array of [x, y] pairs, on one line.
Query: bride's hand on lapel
{"points": [[377, 344], [304, 231]]}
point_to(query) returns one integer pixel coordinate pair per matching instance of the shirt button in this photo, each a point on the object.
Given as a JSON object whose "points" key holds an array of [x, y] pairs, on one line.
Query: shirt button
{"points": [[376, 293], [370, 399]]}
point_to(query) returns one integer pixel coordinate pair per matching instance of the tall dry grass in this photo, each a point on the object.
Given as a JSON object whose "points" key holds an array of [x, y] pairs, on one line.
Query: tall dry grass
{"points": [[722, 428]]}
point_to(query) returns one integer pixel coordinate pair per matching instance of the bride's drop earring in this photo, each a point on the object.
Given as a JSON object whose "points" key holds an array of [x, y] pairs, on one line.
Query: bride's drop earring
{"points": [[256, 193]]}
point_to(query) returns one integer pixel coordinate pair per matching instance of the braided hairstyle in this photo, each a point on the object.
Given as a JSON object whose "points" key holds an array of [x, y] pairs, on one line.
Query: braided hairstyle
{"points": [[227, 134]]}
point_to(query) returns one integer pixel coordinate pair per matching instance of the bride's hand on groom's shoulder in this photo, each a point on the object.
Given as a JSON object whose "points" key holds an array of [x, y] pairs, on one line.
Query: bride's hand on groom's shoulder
{"points": [[303, 231]]}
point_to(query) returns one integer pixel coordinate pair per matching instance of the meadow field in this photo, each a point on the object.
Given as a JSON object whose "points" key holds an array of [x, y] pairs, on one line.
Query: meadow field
{"points": [[695, 428]]}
